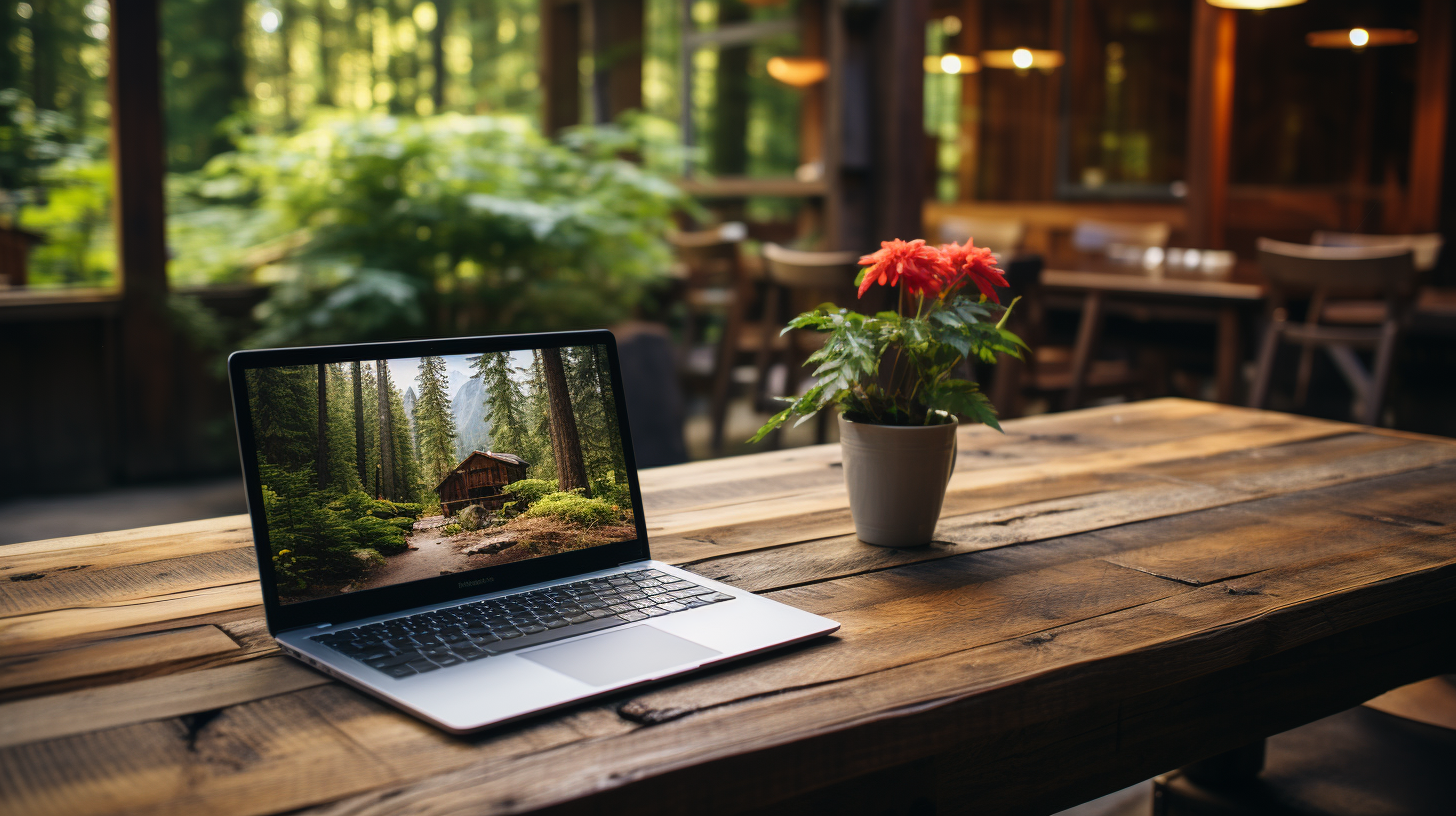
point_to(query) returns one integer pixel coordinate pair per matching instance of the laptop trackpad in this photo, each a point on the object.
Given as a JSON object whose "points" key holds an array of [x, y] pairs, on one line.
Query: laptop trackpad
{"points": [[616, 656]]}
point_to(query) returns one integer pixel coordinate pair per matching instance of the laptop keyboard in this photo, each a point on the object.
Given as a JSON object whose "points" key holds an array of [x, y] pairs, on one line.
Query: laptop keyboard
{"points": [[448, 637]]}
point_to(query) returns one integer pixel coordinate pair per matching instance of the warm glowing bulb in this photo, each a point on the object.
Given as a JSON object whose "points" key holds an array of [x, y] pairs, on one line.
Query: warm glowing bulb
{"points": [[1359, 37], [951, 64], [1021, 58]]}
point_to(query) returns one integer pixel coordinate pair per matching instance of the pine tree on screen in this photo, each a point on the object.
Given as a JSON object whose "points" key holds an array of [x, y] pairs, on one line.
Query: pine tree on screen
{"points": [[360, 457], [386, 438], [343, 473], [406, 461], [435, 421], [609, 408], [505, 403], [322, 468], [283, 404]]}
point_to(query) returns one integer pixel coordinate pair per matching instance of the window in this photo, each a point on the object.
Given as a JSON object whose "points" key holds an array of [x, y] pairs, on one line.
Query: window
{"points": [[55, 175]]}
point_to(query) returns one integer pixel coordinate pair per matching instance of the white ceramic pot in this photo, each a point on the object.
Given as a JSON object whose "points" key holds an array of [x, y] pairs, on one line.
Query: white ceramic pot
{"points": [[896, 478]]}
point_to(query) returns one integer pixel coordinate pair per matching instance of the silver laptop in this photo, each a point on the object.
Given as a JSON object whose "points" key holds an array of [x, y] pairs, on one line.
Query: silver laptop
{"points": [[455, 526]]}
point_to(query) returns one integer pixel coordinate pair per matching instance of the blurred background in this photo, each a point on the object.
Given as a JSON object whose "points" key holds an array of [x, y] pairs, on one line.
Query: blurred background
{"points": [[183, 178]]}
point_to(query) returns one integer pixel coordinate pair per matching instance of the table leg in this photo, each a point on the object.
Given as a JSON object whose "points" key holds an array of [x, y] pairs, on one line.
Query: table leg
{"points": [[1228, 355], [1087, 332]]}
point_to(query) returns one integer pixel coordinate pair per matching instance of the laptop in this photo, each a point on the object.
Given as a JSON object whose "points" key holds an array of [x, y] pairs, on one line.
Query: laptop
{"points": [[455, 526]]}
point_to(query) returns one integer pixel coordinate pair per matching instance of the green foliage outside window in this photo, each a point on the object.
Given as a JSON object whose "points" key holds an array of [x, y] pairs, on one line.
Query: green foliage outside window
{"points": [[385, 227]]}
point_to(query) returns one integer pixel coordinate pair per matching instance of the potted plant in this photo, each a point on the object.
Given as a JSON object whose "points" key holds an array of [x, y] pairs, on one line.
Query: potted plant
{"points": [[893, 377]]}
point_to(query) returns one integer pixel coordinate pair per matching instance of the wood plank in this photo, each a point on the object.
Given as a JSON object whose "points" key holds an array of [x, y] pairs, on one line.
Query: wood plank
{"points": [[16, 632], [1143, 734], [873, 637], [157, 698], [1048, 510], [1209, 547], [915, 711], [687, 535], [126, 547], [87, 584], [114, 655], [1246, 539], [1025, 441], [149, 768], [275, 754], [1106, 424], [946, 607]]}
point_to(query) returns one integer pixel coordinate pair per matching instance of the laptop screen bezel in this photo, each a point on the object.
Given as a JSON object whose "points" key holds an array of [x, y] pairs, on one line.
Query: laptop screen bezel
{"points": [[455, 586]]}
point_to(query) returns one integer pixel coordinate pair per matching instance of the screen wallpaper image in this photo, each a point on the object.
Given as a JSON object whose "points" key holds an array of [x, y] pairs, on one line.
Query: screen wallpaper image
{"points": [[389, 471]]}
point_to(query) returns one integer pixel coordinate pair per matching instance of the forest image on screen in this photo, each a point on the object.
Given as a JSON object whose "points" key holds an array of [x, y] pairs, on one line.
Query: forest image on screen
{"points": [[389, 471]]}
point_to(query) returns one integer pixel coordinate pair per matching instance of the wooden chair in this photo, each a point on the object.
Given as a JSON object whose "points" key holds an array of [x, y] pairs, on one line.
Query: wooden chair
{"points": [[1094, 237], [1003, 236], [713, 286], [1426, 249], [1046, 369], [798, 280], [1317, 274]]}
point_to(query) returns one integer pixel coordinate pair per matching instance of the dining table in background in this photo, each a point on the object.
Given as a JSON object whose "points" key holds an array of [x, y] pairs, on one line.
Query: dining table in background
{"points": [[1159, 288], [1113, 592]]}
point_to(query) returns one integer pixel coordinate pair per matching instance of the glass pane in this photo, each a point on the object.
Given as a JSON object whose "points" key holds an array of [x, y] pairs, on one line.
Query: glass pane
{"points": [[262, 75], [55, 174], [746, 122], [1128, 103]]}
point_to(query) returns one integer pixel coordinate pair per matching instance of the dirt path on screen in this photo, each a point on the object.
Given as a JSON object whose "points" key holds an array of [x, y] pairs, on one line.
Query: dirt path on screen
{"points": [[435, 555]]}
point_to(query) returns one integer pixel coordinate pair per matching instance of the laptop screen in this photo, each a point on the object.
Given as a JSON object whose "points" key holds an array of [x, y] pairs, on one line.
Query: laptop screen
{"points": [[382, 472]]}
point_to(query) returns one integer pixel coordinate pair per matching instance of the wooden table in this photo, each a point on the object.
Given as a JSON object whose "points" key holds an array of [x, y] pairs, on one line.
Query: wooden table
{"points": [[1115, 592], [1177, 295]]}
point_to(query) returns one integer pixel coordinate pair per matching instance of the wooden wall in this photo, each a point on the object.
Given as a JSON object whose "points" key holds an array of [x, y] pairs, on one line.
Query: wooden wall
{"points": [[64, 421]]}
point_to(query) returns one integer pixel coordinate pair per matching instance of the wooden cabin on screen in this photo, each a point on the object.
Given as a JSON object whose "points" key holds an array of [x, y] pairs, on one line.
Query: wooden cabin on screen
{"points": [[479, 479]]}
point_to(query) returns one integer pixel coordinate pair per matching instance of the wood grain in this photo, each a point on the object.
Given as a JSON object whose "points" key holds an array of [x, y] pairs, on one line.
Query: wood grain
{"points": [[112, 656], [915, 711], [1112, 589], [57, 624], [126, 547], [157, 698]]}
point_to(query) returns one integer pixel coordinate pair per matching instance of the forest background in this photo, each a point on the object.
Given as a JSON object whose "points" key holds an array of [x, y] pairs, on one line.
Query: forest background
{"points": [[349, 461], [380, 161]]}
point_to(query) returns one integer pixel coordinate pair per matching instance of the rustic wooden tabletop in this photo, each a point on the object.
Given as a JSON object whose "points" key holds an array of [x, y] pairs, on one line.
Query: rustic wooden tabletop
{"points": [[1114, 592]]}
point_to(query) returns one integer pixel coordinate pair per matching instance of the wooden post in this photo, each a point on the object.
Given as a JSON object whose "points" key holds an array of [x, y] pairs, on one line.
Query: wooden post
{"points": [[148, 408], [813, 36], [1210, 124], [617, 33], [1428, 132], [969, 42], [560, 78], [900, 188]]}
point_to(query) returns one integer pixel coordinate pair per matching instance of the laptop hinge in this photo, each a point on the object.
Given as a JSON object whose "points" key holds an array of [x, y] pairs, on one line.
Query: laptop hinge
{"points": [[305, 626]]}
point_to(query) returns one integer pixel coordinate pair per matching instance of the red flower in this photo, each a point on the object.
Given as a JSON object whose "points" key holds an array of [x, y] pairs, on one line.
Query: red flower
{"points": [[975, 264], [922, 269]]}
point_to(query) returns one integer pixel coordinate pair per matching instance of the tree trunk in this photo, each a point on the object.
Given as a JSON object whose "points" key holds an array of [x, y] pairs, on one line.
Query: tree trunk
{"points": [[728, 146], [45, 52], [386, 435], [285, 78], [325, 55], [359, 453], [323, 426], [609, 410], [565, 442], [437, 54]]}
